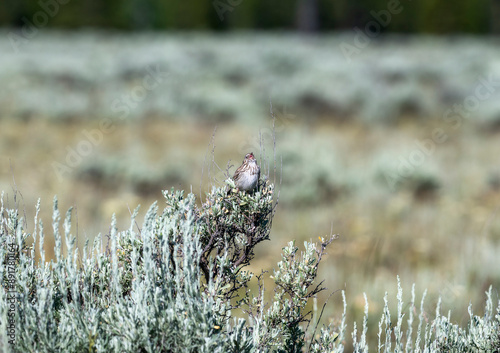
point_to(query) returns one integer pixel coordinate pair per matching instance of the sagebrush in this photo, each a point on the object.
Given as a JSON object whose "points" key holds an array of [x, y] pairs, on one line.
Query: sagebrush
{"points": [[172, 286]]}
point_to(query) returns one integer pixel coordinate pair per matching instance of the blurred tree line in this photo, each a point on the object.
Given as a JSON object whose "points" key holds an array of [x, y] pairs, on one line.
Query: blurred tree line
{"points": [[418, 16]]}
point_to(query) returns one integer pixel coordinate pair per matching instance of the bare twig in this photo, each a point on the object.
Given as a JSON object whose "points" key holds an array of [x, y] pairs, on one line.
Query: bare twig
{"points": [[319, 318], [274, 138], [16, 191], [135, 221], [211, 142]]}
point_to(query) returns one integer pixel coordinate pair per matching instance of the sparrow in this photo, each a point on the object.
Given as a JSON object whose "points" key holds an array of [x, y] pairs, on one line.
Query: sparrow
{"points": [[246, 177]]}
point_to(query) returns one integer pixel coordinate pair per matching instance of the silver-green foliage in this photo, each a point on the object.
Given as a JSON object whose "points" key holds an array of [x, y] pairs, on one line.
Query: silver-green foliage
{"points": [[143, 294], [172, 285], [404, 334]]}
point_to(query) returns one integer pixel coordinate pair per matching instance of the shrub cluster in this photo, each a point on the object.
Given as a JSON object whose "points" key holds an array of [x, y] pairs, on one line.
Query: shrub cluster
{"points": [[173, 285]]}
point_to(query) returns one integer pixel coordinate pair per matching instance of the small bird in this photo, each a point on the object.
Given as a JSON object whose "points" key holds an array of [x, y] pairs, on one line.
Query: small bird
{"points": [[247, 176]]}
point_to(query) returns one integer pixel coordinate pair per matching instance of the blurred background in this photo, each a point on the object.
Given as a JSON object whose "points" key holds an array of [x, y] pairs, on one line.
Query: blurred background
{"points": [[387, 125]]}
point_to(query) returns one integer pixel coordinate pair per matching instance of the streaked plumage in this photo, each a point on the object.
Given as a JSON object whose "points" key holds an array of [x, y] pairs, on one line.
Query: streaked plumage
{"points": [[247, 176]]}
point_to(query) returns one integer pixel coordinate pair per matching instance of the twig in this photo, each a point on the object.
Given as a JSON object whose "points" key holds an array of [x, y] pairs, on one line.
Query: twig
{"points": [[16, 191], [211, 142], [274, 139], [319, 318], [135, 221]]}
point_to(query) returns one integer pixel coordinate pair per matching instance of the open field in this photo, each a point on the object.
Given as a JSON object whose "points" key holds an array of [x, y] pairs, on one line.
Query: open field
{"points": [[359, 145]]}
